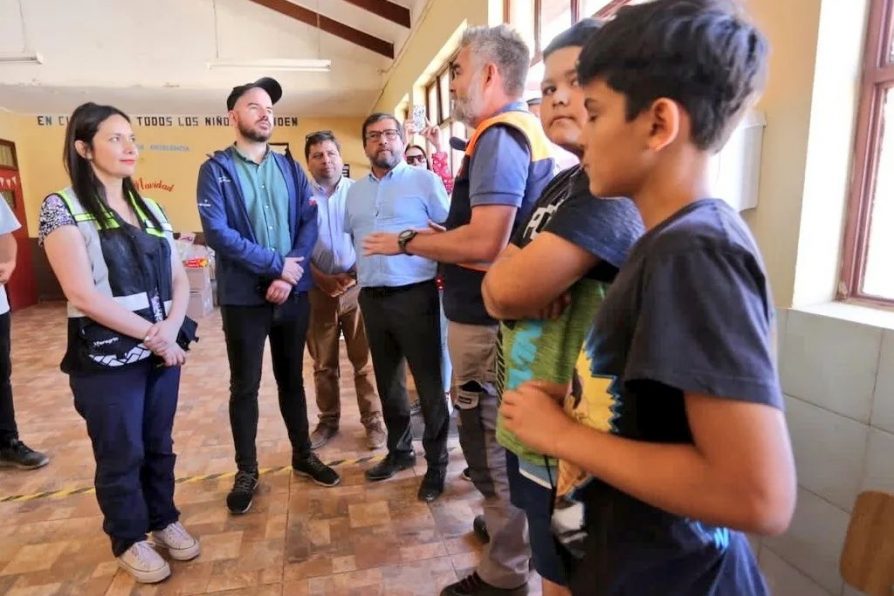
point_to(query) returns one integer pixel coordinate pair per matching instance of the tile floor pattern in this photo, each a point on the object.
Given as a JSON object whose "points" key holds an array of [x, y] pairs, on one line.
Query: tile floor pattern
{"points": [[298, 539]]}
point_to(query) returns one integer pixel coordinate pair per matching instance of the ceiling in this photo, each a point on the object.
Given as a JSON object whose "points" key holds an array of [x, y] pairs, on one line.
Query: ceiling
{"points": [[151, 57]]}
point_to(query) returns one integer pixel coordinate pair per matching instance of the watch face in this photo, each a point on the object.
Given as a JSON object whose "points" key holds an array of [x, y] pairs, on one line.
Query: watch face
{"points": [[406, 235]]}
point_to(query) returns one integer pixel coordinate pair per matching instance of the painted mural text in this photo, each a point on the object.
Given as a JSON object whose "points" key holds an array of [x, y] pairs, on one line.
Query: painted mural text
{"points": [[163, 121]]}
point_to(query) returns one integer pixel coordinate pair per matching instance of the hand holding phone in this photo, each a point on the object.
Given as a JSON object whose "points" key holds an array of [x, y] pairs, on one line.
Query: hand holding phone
{"points": [[418, 117]]}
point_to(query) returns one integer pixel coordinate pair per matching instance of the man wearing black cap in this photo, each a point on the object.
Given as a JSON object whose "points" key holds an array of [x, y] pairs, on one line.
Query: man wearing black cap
{"points": [[258, 216]]}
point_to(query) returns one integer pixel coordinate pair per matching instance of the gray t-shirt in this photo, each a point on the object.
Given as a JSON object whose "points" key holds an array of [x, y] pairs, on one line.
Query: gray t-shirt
{"points": [[689, 312]]}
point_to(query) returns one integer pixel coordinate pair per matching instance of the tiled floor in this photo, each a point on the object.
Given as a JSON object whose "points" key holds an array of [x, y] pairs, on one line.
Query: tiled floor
{"points": [[357, 538]]}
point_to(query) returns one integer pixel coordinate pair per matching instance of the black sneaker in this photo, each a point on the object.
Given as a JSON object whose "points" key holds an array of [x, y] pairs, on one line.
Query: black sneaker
{"points": [[432, 484], [474, 585], [313, 468], [391, 465], [240, 498], [479, 528], [18, 455]]}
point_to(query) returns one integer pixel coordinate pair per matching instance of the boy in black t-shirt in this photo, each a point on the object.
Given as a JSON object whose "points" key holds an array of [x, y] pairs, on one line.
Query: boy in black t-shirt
{"points": [[547, 284], [673, 438]]}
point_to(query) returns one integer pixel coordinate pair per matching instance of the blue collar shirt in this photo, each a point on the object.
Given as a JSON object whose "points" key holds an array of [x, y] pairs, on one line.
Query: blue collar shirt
{"points": [[404, 198]]}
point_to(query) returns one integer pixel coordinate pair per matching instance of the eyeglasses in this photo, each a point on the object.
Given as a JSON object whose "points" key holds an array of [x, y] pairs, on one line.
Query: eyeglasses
{"points": [[326, 134], [415, 158], [390, 134]]}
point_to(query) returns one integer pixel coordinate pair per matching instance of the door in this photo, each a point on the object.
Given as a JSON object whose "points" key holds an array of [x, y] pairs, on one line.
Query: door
{"points": [[22, 287]]}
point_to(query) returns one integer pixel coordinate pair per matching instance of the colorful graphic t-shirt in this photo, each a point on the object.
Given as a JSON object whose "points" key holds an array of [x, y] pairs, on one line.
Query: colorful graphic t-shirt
{"points": [[689, 312], [547, 350]]}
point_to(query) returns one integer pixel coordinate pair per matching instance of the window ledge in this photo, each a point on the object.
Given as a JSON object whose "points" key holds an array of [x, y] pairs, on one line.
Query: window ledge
{"points": [[874, 316]]}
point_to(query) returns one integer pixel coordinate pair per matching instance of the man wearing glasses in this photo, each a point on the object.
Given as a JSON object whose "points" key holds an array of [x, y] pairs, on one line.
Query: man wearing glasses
{"points": [[399, 300], [333, 299]]}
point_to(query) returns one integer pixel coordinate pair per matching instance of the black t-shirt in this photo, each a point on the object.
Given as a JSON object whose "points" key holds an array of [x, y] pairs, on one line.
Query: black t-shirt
{"points": [[690, 311], [606, 228]]}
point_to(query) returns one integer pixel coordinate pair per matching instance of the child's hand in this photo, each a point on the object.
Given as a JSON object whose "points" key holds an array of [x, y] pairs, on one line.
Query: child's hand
{"points": [[535, 416]]}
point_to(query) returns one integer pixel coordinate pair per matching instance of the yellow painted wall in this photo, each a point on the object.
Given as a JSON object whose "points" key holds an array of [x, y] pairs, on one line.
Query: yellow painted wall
{"points": [[791, 27], [810, 101], [40, 149]]}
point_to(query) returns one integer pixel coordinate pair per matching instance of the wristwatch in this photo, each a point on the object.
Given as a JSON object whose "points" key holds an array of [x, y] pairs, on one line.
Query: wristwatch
{"points": [[404, 238]]}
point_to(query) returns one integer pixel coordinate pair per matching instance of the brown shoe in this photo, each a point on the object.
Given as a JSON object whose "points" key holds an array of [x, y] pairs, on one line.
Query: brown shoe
{"points": [[321, 435], [375, 435]]}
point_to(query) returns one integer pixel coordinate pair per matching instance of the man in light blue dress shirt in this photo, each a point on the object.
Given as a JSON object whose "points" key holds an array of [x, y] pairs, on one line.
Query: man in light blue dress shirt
{"points": [[399, 300], [334, 309]]}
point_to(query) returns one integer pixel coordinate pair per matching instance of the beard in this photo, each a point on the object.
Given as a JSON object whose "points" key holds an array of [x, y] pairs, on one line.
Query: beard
{"points": [[253, 134], [467, 109], [385, 161]]}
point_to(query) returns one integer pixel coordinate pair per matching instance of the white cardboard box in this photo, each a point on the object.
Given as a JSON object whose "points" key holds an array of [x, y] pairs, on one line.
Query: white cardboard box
{"points": [[200, 303], [199, 278]]}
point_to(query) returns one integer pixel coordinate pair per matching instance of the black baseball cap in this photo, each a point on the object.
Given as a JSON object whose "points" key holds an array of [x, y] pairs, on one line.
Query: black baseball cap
{"points": [[266, 83]]}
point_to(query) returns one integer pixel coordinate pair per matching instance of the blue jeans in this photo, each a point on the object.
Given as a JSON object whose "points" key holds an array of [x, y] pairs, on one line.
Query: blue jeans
{"points": [[129, 415]]}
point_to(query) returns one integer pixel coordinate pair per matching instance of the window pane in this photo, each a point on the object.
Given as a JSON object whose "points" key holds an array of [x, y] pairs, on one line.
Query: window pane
{"points": [[878, 279], [444, 82], [521, 17], [590, 7], [555, 17], [431, 106], [532, 83]]}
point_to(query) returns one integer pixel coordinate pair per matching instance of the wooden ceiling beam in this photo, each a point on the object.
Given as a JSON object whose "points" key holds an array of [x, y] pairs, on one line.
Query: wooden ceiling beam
{"points": [[385, 9], [309, 17]]}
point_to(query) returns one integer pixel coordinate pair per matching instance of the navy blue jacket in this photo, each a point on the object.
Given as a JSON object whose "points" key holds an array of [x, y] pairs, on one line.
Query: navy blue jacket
{"points": [[244, 267]]}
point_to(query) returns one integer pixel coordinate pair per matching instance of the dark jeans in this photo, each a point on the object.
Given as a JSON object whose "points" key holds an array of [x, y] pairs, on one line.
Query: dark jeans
{"points": [[403, 323], [129, 415], [246, 329], [8, 430]]}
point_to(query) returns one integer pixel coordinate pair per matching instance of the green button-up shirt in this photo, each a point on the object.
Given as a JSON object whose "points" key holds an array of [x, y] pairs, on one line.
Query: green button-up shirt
{"points": [[266, 200]]}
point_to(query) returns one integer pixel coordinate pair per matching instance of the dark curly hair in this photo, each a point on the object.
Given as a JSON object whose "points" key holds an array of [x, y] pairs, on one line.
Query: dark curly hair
{"points": [[702, 54]]}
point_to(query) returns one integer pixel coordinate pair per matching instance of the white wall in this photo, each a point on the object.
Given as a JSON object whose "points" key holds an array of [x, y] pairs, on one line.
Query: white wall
{"points": [[838, 378]]}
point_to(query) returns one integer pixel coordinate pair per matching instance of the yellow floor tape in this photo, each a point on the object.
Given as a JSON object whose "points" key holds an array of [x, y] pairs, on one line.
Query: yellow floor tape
{"points": [[67, 492]]}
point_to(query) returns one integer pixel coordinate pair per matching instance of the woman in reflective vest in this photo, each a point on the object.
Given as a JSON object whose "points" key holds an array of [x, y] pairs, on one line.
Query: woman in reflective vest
{"points": [[113, 254]]}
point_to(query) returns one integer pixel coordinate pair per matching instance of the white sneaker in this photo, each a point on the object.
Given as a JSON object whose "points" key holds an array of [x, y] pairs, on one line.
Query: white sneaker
{"points": [[144, 564], [180, 544]]}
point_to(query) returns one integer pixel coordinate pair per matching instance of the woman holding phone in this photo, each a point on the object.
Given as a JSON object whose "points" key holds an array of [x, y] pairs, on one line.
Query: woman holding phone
{"points": [[416, 156]]}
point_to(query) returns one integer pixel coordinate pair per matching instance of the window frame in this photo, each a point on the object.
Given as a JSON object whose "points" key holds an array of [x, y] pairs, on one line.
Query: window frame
{"points": [[12, 150], [444, 121], [877, 80], [605, 12]]}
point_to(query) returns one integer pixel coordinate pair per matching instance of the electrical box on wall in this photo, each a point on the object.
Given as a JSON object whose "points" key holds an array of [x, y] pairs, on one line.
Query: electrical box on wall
{"points": [[735, 170]]}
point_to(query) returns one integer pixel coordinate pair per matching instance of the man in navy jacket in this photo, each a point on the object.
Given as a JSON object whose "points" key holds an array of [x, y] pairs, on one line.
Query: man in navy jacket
{"points": [[259, 217]]}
